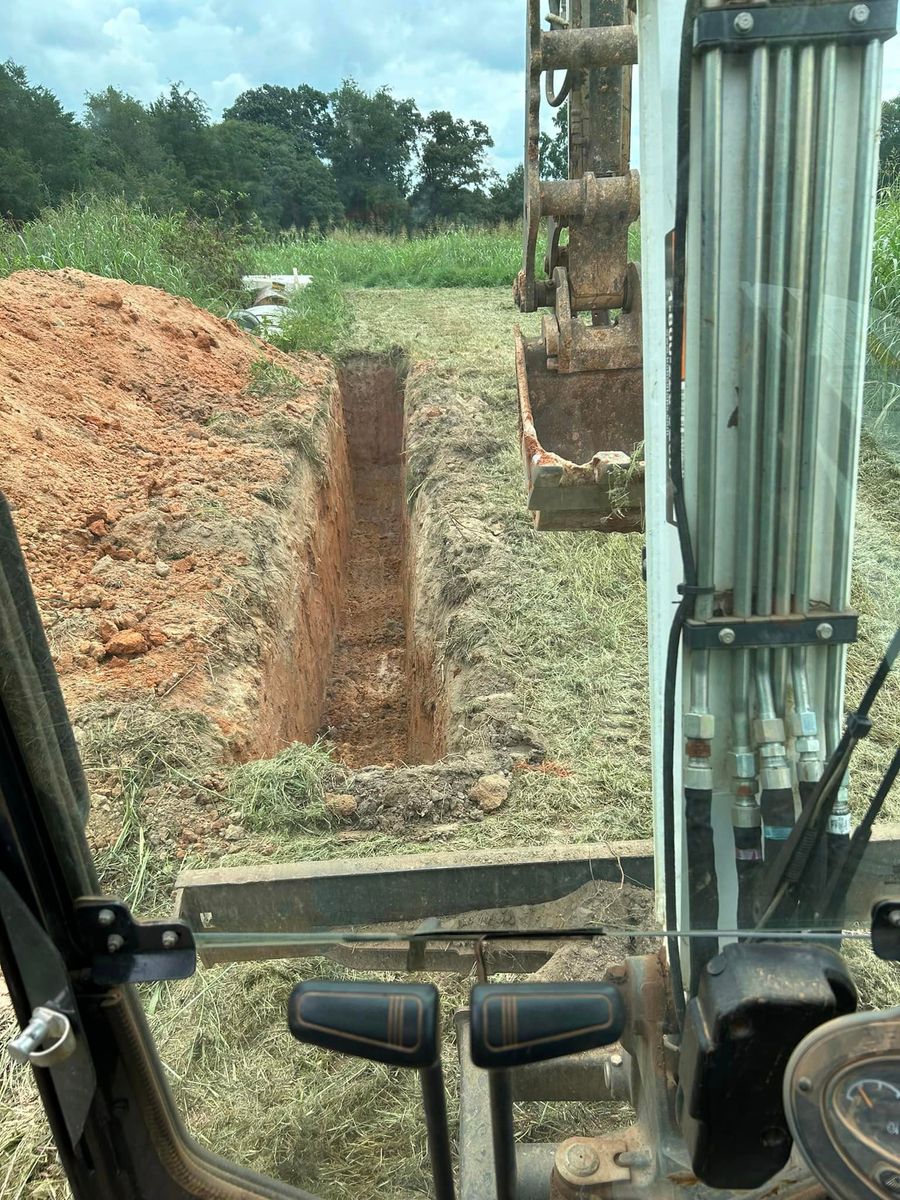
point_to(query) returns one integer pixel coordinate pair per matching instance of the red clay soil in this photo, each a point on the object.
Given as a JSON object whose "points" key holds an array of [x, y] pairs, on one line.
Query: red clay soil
{"points": [[366, 710], [106, 394]]}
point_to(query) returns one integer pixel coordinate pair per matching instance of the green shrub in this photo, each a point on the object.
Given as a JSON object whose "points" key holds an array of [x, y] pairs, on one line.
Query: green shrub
{"points": [[318, 316], [178, 252]]}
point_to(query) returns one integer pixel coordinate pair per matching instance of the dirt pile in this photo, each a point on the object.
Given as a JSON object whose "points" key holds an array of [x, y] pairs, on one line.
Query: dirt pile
{"points": [[151, 465]]}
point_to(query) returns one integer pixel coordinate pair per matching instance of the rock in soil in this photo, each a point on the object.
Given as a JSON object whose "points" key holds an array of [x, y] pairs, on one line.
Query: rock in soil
{"points": [[490, 792], [127, 642], [341, 804]]}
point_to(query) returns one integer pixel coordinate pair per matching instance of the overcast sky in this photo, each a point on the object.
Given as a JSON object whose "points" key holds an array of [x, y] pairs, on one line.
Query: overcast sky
{"points": [[461, 55]]}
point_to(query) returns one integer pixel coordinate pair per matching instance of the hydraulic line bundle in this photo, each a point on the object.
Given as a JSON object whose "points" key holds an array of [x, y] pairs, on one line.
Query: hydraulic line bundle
{"points": [[777, 251]]}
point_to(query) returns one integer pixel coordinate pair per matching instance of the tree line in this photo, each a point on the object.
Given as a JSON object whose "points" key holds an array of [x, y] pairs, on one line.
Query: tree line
{"points": [[280, 156]]}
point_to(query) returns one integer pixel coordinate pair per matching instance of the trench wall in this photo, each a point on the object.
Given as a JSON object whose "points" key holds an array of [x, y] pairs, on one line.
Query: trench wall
{"points": [[347, 661], [305, 619]]}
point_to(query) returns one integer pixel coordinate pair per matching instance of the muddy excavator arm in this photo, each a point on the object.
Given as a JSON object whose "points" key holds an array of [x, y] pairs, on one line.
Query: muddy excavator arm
{"points": [[583, 460]]}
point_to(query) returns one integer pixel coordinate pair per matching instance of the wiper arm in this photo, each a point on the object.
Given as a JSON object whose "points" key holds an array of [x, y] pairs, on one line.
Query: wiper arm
{"points": [[840, 884], [793, 865]]}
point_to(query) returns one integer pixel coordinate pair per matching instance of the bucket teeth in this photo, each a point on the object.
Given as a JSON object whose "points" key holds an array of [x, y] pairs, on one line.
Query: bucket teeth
{"points": [[581, 438]]}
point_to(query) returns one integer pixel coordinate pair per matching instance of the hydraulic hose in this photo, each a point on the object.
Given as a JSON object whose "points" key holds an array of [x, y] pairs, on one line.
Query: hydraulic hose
{"points": [[682, 525], [831, 907], [702, 878], [745, 811], [785, 881], [699, 722]]}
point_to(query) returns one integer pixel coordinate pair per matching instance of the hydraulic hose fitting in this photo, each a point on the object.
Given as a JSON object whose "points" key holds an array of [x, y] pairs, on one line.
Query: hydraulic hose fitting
{"points": [[774, 769], [805, 727], [809, 760], [745, 812], [776, 794], [743, 766], [838, 829], [839, 821], [699, 731]]}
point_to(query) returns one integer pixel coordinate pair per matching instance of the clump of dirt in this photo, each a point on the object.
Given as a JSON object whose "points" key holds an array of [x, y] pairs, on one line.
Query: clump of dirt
{"points": [[394, 800], [152, 479]]}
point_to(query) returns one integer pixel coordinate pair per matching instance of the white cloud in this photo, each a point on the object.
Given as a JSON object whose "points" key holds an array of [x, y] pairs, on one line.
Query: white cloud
{"points": [[223, 92], [465, 56]]}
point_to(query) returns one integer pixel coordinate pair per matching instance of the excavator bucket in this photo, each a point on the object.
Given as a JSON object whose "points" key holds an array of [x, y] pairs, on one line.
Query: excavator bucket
{"points": [[563, 419], [580, 382]]}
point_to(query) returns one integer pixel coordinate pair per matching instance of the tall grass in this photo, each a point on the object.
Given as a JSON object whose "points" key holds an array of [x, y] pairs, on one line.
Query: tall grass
{"points": [[453, 257], [318, 317], [882, 400], [108, 236], [456, 256]]}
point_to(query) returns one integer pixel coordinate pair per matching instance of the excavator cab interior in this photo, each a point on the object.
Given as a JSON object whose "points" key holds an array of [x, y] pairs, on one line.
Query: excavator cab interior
{"points": [[710, 399]]}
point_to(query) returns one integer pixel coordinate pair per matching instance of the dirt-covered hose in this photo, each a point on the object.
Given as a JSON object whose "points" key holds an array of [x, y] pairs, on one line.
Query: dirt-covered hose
{"points": [[702, 883], [820, 867], [748, 857]]}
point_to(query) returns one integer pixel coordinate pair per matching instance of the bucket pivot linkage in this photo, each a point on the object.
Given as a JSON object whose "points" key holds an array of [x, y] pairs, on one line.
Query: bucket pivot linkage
{"points": [[580, 382]]}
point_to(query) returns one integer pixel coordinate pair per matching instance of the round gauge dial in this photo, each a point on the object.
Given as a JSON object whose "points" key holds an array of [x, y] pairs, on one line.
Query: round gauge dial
{"points": [[868, 1101]]}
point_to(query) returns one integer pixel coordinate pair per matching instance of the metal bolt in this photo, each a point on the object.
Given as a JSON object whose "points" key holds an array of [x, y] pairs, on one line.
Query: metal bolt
{"points": [[726, 636], [859, 14], [29, 1040], [743, 22], [114, 942], [46, 1040], [581, 1159], [169, 939], [893, 917], [106, 917], [824, 632], [616, 1060], [804, 1084], [638, 1159], [617, 974]]}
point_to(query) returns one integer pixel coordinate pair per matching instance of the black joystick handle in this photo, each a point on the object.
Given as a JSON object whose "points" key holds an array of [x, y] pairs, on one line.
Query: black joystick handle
{"points": [[519, 1023], [392, 1023]]}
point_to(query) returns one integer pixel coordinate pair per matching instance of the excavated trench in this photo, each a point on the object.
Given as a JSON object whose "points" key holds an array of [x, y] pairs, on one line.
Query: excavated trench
{"points": [[360, 671]]}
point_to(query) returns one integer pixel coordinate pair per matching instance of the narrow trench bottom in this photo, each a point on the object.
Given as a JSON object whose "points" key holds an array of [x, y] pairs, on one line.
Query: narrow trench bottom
{"points": [[366, 708]]}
